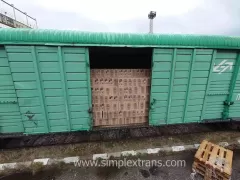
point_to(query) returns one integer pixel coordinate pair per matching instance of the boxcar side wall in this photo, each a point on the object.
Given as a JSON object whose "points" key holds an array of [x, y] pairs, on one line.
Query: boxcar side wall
{"points": [[46, 89], [52, 89], [191, 85]]}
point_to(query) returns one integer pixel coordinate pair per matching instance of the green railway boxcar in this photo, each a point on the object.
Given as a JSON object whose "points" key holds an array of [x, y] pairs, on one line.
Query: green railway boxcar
{"points": [[45, 83]]}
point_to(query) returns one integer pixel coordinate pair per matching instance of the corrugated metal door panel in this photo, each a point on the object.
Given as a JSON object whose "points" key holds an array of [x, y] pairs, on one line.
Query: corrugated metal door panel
{"points": [[234, 110], [220, 77], [59, 78], [181, 85], [160, 85], [78, 88], [28, 85], [65, 77], [10, 117]]}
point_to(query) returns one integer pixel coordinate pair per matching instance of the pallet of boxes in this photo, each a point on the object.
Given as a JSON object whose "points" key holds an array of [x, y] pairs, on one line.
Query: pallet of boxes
{"points": [[120, 96], [213, 162]]}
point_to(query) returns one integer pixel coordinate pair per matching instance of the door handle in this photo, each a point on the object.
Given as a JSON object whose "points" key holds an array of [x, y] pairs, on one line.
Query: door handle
{"points": [[153, 103]]}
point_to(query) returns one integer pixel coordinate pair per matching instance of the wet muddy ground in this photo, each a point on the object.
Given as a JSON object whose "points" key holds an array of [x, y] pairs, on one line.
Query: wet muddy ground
{"points": [[139, 173], [87, 149]]}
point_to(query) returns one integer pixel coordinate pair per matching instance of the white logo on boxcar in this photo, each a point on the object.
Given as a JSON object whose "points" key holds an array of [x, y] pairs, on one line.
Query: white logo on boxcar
{"points": [[222, 66], [238, 97]]}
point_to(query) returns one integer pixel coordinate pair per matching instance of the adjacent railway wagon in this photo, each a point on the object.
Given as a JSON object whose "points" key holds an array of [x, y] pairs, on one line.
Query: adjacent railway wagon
{"points": [[61, 81]]}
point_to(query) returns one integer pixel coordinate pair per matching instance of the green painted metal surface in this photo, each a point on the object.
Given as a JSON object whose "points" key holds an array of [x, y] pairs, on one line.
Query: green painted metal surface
{"points": [[191, 85], [10, 118], [47, 89], [219, 85], [77, 38], [51, 88], [233, 111]]}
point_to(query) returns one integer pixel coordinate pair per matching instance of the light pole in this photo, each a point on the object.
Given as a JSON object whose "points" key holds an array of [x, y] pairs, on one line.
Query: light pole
{"points": [[14, 12], [151, 16], [26, 18]]}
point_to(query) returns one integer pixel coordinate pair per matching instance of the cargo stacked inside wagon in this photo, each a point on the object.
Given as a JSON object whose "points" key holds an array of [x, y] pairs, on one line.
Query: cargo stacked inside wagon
{"points": [[120, 82]]}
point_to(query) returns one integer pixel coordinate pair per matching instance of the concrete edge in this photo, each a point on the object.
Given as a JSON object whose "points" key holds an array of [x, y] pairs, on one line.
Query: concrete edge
{"points": [[69, 160]]}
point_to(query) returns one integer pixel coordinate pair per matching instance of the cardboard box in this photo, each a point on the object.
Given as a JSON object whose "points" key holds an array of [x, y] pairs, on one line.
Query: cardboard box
{"points": [[140, 113], [135, 90], [129, 73], [97, 72], [98, 115], [127, 120], [125, 82], [95, 107], [134, 113], [126, 91], [95, 82], [120, 82], [101, 99], [113, 73], [107, 99], [128, 106], [121, 91], [120, 114], [114, 106], [107, 107], [121, 106], [147, 90], [134, 82], [130, 90], [95, 99], [106, 73], [125, 114], [139, 82], [121, 121], [113, 114], [121, 95], [105, 115], [141, 105], [115, 91], [114, 121], [115, 82]]}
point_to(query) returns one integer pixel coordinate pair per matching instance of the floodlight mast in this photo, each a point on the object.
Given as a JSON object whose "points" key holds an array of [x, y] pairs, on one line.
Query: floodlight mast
{"points": [[151, 16]]}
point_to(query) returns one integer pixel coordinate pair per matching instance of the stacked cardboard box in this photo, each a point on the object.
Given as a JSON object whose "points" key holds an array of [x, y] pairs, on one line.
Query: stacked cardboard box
{"points": [[120, 96]]}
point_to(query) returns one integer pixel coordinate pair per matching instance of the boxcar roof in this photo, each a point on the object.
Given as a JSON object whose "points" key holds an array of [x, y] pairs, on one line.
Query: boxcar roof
{"points": [[78, 38]]}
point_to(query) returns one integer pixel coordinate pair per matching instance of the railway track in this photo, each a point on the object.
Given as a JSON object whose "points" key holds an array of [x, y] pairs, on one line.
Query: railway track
{"points": [[20, 141]]}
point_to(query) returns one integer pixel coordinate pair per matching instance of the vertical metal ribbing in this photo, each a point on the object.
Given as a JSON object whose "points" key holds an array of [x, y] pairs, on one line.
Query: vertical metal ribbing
{"points": [[189, 85], [8, 61], [234, 78], [40, 88], [89, 86], [65, 88], [171, 83], [151, 98], [208, 83], [228, 102]]}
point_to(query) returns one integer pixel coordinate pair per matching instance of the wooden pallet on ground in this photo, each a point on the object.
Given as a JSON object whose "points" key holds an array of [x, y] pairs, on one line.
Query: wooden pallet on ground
{"points": [[213, 161]]}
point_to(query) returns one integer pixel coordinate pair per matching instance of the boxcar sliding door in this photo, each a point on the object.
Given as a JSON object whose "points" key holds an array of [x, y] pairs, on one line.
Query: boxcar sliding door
{"points": [[52, 86], [194, 85]]}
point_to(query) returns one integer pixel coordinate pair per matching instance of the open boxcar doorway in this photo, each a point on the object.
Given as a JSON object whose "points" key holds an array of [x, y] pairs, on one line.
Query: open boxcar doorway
{"points": [[120, 82]]}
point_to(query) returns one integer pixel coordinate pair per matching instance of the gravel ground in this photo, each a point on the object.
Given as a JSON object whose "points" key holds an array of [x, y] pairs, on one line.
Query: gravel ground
{"points": [[87, 149], [138, 173]]}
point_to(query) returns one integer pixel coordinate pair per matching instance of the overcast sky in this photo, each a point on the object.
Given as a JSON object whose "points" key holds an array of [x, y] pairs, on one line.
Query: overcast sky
{"points": [[173, 16]]}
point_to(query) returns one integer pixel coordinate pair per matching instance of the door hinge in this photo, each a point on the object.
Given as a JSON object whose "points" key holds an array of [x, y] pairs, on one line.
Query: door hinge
{"points": [[153, 103], [90, 110], [152, 64], [228, 103], [88, 64]]}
